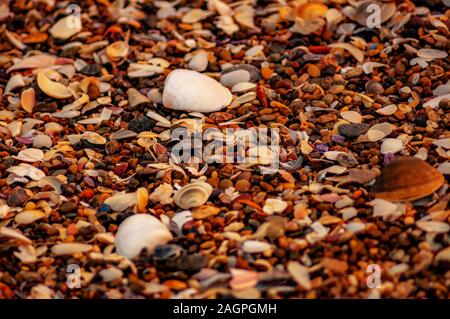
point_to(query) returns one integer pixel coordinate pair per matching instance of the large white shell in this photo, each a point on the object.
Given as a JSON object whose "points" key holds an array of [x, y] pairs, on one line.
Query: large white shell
{"points": [[190, 91], [138, 232]]}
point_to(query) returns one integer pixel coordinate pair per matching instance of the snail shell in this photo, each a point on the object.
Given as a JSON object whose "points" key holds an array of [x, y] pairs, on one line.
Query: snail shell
{"points": [[193, 195], [139, 232], [190, 91], [407, 178]]}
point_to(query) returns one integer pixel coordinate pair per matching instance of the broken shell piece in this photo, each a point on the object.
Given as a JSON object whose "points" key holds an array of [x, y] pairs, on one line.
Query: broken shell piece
{"points": [[140, 232], [255, 247], [195, 15], [190, 91], [311, 10], [351, 116], [27, 170], [387, 110], [274, 206], [28, 99], [379, 131], [94, 138], [357, 53], [136, 98], [117, 51], [431, 54], [243, 87], [70, 248], [141, 200], [15, 82], [434, 227], [52, 88], [391, 145], [193, 195], [300, 274], [120, 202], [29, 216], [30, 155], [66, 27], [396, 183]]}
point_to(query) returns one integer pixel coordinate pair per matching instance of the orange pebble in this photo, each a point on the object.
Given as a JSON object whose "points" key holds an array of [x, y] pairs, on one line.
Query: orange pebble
{"points": [[266, 73], [72, 230], [357, 194], [87, 194]]}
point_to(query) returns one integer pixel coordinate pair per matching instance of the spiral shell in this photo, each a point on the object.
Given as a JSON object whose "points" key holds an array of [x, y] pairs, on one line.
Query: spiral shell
{"points": [[140, 232], [190, 91], [193, 195]]}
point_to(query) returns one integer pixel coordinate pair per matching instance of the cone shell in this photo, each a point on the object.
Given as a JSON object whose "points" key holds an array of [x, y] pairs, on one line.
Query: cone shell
{"points": [[190, 91], [140, 232], [405, 179]]}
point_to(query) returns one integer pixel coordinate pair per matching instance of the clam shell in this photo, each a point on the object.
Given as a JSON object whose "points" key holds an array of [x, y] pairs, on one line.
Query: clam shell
{"points": [[193, 195], [52, 88], [140, 232], [190, 91], [66, 27], [28, 99], [396, 183], [311, 10], [118, 50]]}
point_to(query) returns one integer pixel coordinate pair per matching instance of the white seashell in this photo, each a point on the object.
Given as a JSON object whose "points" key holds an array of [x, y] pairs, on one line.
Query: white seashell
{"points": [[111, 274], [162, 194], [30, 155], [14, 234], [29, 216], [190, 91], [433, 226], [195, 15], [391, 145], [351, 116], [199, 61], [117, 51], [434, 103], [444, 168], [431, 54], [357, 53], [387, 110], [243, 87], [300, 274], [66, 27], [27, 170], [94, 138], [140, 232], [70, 248], [442, 89], [444, 142], [159, 118], [255, 50], [120, 202], [274, 206], [379, 131], [232, 78], [255, 247], [52, 88], [193, 195], [369, 66], [15, 82], [136, 98]]}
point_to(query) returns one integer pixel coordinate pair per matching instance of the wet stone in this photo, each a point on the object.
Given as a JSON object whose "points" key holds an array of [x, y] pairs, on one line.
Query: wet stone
{"points": [[17, 197], [353, 130], [141, 124]]}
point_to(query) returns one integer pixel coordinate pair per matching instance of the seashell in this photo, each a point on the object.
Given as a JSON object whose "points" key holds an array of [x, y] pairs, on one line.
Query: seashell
{"points": [[52, 88], [70, 248], [300, 274], [15, 82], [391, 145], [30, 155], [140, 232], [245, 15], [66, 27], [195, 15], [434, 227], [255, 247], [396, 183], [351, 116], [122, 134], [379, 131], [369, 66], [274, 206], [27, 170], [136, 98], [159, 118], [120, 202], [443, 142], [199, 61], [387, 110], [374, 87], [29, 216], [434, 103], [111, 274], [53, 128], [242, 280], [117, 51], [431, 54], [254, 51], [190, 91], [14, 234], [141, 200], [444, 168], [162, 194], [311, 10], [28, 99], [232, 78], [357, 53], [94, 138], [243, 87], [193, 195]]}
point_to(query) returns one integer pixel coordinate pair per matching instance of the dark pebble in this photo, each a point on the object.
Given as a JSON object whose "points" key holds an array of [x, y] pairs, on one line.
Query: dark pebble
{"points": [[353, 130], [17, 197], [69, 206], [141, 124], [91, 69]]}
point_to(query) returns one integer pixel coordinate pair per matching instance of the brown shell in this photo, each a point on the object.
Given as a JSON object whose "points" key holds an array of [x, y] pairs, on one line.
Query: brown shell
{"points": [[407, 178], [311, 10]]}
